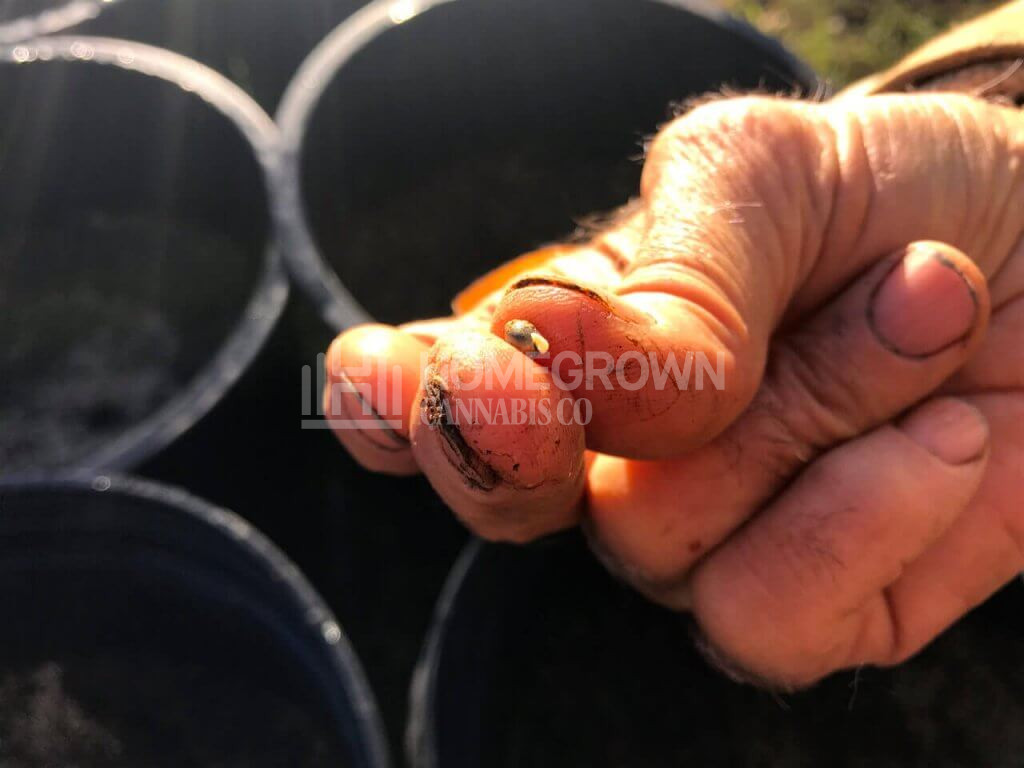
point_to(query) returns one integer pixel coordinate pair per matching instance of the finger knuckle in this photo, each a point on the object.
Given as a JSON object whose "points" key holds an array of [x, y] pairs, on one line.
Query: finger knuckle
{"points": [[961, 153], [729, 125], [769, 159], [806, 403]]}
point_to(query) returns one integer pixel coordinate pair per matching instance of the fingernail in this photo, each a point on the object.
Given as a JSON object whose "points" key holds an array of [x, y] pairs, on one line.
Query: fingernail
{"points": [[609, 303], [437, 413], [923, 306], [387, 428], [950, 429]]}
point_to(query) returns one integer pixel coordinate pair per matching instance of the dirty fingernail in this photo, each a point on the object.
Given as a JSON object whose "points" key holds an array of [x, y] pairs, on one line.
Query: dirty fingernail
{"points": [[546, 289], [953, 430], [924, 305]]}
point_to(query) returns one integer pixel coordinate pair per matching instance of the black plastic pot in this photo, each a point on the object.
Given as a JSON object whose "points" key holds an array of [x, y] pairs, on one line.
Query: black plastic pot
{"points": [[142, 626], [136, 279], [467, 134], [257, 43], [538, 658], [25, 19], [377, 548]]}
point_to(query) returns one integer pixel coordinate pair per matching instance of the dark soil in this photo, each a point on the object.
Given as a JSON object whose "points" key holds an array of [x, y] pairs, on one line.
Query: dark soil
{"points": [[148, 712], [116, 652], [594, 676], [105, 320]]}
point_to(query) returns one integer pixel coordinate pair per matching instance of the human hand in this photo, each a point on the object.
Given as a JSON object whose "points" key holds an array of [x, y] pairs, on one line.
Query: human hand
{"points": [[850, 484]]}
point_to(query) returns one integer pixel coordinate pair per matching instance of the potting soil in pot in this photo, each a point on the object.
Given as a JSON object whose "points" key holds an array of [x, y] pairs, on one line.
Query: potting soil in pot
{"points": [[104, 321], [75, 713], [124, 668], [594, 676]]}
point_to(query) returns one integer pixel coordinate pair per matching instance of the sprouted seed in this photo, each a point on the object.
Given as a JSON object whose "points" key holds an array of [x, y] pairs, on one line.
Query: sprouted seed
{"points": [[524, 336]]}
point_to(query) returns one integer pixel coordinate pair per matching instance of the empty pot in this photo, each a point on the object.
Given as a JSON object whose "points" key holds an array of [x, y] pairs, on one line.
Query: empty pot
{"points": [[136, 279], [142, 626], [426, 142], [539, 658]]}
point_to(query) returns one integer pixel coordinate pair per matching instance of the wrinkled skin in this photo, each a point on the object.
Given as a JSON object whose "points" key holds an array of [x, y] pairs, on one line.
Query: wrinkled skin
{"points": [[855, 486]]}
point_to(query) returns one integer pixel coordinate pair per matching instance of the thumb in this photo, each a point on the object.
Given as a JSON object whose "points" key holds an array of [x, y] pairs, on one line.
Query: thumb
{"points": [[756, 211], [674, 351]]}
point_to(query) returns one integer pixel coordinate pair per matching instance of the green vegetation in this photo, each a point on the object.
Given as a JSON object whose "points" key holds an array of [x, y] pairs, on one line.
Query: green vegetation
{"points": [[847, 39]]}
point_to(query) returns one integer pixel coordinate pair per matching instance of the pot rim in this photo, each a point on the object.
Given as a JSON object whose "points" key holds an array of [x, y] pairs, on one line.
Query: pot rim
{"points": [[421, 726], [303, 259], [52, 20], [239, 534], [266, 303]]}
